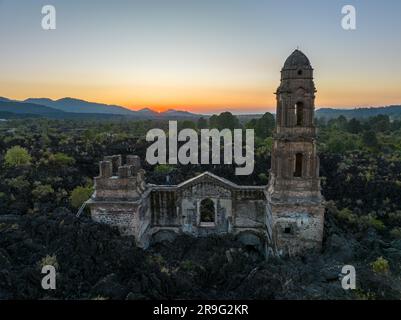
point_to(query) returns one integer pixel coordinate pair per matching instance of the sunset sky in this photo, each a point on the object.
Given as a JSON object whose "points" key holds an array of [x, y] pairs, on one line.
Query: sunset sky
{"points": [[199, 55]]}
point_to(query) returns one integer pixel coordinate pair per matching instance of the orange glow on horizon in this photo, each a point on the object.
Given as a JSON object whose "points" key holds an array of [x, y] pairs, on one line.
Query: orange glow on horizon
{"points": [[239, 98]]}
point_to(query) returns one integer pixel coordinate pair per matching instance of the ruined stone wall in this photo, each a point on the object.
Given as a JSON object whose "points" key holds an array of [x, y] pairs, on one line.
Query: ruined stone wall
{"points": [[297, 228], [154, 213], [164, 208], [143, 221], [131, 218], [120, 215], [191, 217], [189, 208], [249, 209], [236, 209], [121, 198]]}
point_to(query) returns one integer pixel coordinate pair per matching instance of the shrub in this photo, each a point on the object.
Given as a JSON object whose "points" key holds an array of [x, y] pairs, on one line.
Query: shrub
{"points": [[348, 216], [372, 221], [49, 261], [396, 233], [61, 159], [17, 156], [380, 265], [101, 298], [263, 177], [395, 217], [163, 169], [19, 183], [156, 259], [188, 265], [42, 191], [364, 295], [362, 222]]}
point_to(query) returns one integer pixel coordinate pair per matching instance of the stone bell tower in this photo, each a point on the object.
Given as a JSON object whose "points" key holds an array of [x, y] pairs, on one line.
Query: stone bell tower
{"points": [[295, 201]]}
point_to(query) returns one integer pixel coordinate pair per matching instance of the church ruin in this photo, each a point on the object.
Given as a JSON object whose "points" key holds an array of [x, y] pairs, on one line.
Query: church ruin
{"points": [[284, 217]]}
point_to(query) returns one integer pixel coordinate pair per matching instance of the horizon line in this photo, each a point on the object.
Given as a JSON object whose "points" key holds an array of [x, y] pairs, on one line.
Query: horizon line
{"points": [[237, 110]]}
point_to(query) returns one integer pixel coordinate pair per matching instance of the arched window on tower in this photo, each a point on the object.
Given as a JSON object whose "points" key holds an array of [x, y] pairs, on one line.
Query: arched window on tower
{"points": [[299, 112], [298, 165], [207, 212]]}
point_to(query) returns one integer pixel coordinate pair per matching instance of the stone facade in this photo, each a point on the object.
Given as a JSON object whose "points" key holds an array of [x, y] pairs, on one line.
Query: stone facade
{"points": [[284, 217]]}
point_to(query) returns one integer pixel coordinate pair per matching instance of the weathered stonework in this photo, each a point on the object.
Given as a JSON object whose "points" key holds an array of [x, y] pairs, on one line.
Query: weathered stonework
{"points": [[294, 199], [285, 217], [121, 198]]}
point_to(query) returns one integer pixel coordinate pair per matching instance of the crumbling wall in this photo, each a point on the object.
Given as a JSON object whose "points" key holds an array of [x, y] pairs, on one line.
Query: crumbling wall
{"points": [[297, 228], [153, 213], [190, 210], [121, 198], [164, 208], [120, 215]]}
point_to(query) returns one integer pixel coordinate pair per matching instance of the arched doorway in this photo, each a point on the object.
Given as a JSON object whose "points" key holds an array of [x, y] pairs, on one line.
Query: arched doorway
{"points": [[252, 242]]}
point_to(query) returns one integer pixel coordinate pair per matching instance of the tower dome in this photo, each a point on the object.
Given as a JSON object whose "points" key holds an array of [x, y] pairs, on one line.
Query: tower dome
{"points": [[297, 60]]}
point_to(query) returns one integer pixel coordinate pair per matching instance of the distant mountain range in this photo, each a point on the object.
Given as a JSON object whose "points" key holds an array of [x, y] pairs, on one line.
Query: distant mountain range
{"points": [[73, 108], [393, 112], [70, 108], [79, 106], [28, 108]]}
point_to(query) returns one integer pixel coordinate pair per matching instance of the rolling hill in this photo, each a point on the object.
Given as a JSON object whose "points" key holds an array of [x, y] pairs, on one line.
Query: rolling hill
{"points": [[76, 108], [79, 106], [27, 108], [393, 112]]}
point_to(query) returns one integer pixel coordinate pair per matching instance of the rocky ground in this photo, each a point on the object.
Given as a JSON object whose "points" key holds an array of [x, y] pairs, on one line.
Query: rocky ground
{"points": [[94, 262]]}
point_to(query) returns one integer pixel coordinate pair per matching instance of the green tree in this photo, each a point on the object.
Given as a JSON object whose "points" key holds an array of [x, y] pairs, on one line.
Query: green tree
{"points": [[339, 123], [17, 156], [62, 160], [214, 121], [354, 126], [188, 124], [380, 123], [264, 126], [265, 146], [228, 120], [225, 120], [340, 142], [202, 123], [79, 195], [369, 138]]}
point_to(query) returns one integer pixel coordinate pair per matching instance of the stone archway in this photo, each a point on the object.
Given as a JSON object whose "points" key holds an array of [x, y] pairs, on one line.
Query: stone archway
{"points": [[251, 239], [163, 236]]}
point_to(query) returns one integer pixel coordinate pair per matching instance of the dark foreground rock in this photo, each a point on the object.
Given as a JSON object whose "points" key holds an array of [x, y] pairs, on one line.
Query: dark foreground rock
{"points": [[94, 262]]}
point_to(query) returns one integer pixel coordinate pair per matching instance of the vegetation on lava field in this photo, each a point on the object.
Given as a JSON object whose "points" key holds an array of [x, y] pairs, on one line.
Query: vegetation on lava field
{"points": [[46, 171]]}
